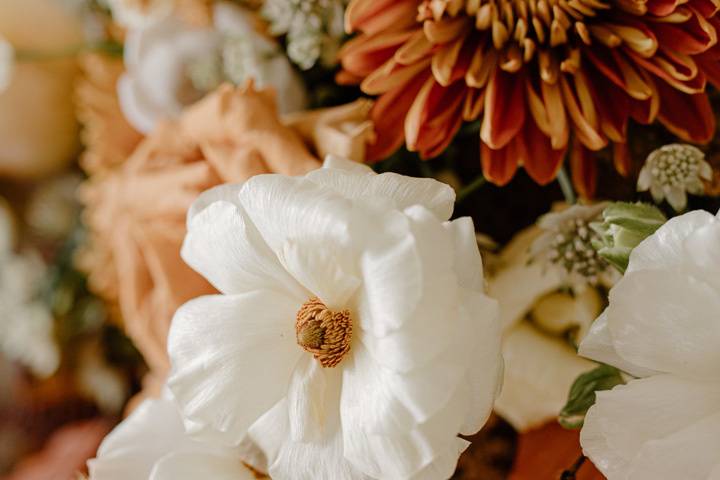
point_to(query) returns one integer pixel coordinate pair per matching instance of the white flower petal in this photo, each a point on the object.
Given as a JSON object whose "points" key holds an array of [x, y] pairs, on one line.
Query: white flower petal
{"points": [[322, 459], [404, 191], [318, 270], [703, 249], [313, 400], [445, 464], [226, 192], [539, 370], [598, 345], [136, 110], [232, 358], [223, 245], [192, 466], [644, 179], [628, 417], [664, 248], [699, 443], [290, 208], [468, 262], [485, 372], [677, 198], [403, 454], [519, 287], [368, 394], [423, 329], [392, 277], [666, 321], [152, 431]]}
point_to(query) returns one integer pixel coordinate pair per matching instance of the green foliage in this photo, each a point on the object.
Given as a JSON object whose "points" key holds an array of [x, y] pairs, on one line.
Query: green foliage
{"points": [[624, 226], [582, 394]]}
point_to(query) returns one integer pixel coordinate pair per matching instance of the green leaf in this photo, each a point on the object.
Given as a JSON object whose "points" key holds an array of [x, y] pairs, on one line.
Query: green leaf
{"points": [[582, 394]]}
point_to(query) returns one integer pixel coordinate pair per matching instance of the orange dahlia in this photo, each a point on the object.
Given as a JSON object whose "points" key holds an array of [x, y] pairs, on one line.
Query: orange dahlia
{"points": [[544, 77]]}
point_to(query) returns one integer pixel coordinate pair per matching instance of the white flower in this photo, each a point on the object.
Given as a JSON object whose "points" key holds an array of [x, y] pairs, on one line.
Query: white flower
{"points": [[151, 444], [567, 245], [541, 323], [26, 324], [672, 171], [140, 13], [314, 28], [7, 61], [171, 64], [100, 381], [352, 339], [663, 326]]}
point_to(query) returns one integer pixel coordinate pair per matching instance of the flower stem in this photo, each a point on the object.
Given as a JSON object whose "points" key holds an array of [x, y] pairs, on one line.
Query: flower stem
{"points": [[470, 188], [571, 473], [566, 186]]}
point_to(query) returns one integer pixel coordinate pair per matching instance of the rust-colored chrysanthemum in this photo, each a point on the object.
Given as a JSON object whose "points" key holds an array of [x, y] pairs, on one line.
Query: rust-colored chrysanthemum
{"points": [[544, 77]]}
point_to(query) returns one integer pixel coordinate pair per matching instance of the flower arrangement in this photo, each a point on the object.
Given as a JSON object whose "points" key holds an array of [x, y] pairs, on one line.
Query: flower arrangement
{"points": [[355, 239]]}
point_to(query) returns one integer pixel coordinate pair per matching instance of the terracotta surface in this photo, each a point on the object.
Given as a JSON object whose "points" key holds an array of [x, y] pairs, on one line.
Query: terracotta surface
{"points": [[543, 454]]}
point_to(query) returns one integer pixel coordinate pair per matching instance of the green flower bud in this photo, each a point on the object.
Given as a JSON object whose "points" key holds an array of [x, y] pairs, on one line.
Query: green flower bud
{"points": [[624, 226]]}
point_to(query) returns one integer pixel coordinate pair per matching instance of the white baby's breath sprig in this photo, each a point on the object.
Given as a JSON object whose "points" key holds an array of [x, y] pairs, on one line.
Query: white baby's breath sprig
{"points": [[314, 28]]}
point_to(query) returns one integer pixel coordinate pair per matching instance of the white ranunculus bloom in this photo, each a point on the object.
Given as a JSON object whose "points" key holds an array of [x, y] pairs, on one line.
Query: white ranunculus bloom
{"points": [[151, 444], [171, 64], [7, 62], [663, 326], [352, 338]]}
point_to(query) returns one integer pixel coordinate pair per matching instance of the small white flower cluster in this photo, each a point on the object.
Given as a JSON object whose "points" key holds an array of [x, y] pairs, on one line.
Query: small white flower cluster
{"points": [[26, 324], [568, 243], [314, 28], [672, 171]]}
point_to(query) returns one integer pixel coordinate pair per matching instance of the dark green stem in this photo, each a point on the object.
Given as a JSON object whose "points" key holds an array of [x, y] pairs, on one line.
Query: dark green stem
{"points": [[566, 186], [571, 473], [470, 188]]}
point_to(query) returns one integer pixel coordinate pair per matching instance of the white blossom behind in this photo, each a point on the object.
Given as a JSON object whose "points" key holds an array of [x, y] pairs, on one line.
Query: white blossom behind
{"points": [[673, 171], [663, 327], [171, 64]]}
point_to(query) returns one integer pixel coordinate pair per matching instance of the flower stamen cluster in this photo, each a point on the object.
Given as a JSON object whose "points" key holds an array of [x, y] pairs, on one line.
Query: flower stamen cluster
{"points": [[572, 249], [324, 333]]}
